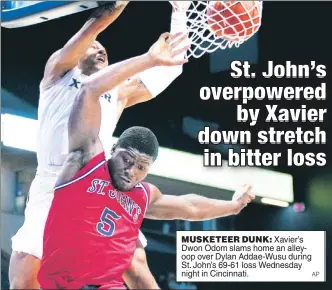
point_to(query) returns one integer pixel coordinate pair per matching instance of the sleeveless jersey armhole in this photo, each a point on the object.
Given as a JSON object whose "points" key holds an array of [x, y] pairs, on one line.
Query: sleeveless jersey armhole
{"points": [[65, 76], [95, 163], [146, 188]]}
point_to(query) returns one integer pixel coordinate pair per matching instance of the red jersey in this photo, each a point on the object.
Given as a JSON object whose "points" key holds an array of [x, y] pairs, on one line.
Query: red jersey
{"points": [[91, 230]]}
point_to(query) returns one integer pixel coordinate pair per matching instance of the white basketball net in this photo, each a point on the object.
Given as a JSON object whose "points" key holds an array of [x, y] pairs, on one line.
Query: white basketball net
{"points": [[233, 27]]}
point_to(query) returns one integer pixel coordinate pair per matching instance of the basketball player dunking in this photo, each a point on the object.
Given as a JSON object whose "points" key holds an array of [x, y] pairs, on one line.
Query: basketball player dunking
{"points": [[98, 207], [64, 74]]}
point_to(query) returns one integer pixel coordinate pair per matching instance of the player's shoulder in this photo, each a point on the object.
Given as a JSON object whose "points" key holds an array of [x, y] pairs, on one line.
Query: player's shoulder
{"points": [[142, 186], [71, 78], [153, 191], [80, 167], [143, 189], [151, 186]]}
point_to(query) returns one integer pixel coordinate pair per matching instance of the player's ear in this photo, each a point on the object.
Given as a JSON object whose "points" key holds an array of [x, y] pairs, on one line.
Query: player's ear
{"points": [[113, 148]]}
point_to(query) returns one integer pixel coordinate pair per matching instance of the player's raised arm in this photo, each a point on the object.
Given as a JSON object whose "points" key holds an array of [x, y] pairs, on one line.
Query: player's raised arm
{"points": [[193, 207], [150, 83], [84, 122], [156, 79], [67, 58]]}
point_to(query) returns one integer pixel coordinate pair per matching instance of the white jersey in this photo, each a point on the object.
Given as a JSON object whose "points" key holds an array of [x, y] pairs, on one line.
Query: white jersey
{"points": [[55, 105]]}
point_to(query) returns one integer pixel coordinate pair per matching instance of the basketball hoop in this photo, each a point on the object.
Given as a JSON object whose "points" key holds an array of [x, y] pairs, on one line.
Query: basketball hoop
{"points": [[216, 25]]}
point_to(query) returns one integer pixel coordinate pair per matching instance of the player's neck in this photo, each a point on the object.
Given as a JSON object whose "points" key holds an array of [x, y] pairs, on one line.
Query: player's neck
{"points": [[88, 72]]}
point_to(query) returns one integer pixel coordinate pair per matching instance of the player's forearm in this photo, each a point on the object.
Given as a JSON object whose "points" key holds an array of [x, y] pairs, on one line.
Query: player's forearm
{"points": [[100, 19], [148, 84], [201, 208], [157, 79], [133, 92], [114, 75]]}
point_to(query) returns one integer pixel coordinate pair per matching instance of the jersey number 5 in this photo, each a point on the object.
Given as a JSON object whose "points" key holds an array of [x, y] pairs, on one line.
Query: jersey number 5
{"points": [[106, 226]]}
